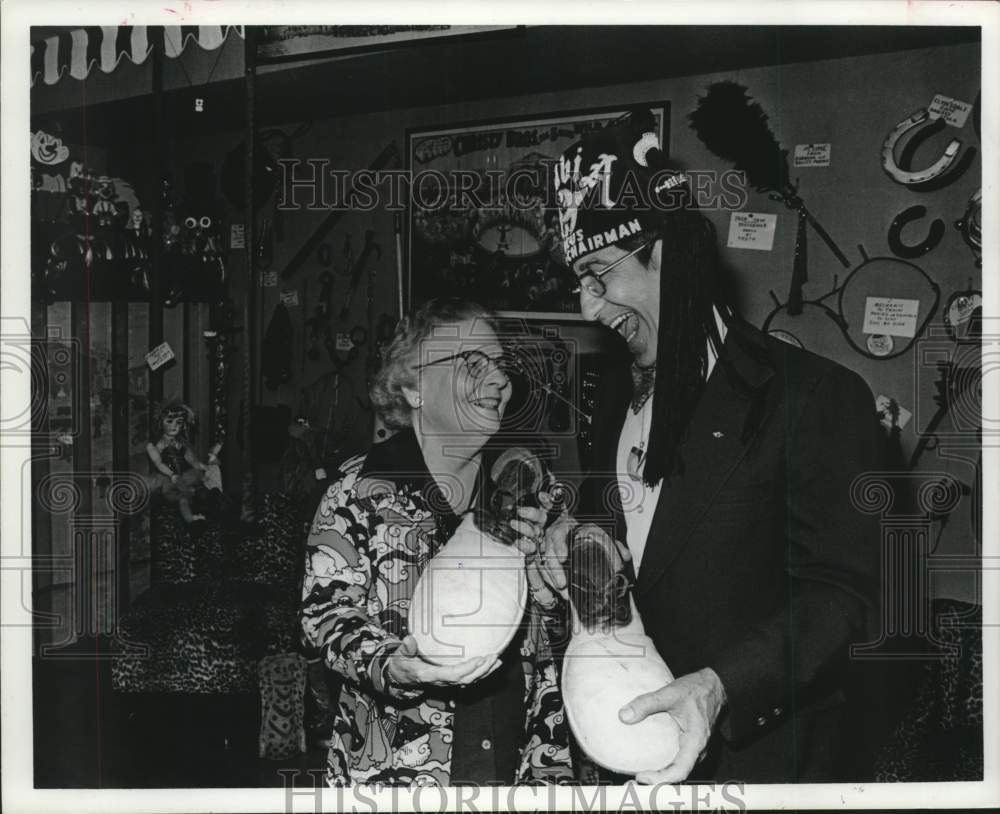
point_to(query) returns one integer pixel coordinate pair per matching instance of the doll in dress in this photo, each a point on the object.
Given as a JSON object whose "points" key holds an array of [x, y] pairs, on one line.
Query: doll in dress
{"points": [[180, 475]]}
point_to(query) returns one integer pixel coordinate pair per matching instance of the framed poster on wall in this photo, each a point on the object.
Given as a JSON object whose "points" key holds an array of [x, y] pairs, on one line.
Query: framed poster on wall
{"points": [[481, 224]]}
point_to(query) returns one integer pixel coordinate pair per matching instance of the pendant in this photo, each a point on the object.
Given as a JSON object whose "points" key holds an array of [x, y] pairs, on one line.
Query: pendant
{"points": [[636, 457]]}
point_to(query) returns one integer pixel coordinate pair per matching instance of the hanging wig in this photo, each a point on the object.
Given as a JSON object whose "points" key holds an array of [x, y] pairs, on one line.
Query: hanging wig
{"points": [[690, 285]]}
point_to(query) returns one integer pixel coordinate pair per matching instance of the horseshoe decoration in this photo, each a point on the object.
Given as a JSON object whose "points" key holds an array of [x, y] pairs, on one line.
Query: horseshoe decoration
{"points": [[907, 251], [922, 118]]}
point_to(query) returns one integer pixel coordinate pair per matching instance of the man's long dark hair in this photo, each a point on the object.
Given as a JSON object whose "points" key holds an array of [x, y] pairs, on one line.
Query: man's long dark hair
{"points": [[691, 282]]}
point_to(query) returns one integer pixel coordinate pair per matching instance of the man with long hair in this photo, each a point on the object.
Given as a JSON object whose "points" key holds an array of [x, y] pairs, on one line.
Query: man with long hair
{"points": [[726, 464]]}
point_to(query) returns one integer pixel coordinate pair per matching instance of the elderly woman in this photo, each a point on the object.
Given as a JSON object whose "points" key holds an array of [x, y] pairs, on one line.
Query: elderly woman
{"points": [[403, 720]]}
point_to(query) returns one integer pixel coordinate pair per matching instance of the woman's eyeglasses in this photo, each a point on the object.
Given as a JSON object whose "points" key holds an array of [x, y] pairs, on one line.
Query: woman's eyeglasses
{"points": [[591, 281], [477, 363]]}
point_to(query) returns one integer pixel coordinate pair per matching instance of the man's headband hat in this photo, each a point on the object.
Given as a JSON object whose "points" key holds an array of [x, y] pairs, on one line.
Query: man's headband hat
{"points": [[614, 183]]}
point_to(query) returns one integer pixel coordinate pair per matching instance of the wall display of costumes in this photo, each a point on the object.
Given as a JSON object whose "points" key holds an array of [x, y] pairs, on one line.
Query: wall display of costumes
{"points": [[90, 235], [192, 229], [92, 238]]}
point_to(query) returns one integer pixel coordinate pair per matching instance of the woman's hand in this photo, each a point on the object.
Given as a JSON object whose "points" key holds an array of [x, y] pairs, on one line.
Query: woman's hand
{"points": [[546, 553], [407, 668]]}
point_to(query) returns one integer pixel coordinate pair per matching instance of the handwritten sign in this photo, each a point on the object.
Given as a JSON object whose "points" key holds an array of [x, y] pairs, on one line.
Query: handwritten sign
{"points": [[159, 356], [812, 155], [892, 317], [751, 230], [237, 236], [290, 297], [953, 111]]}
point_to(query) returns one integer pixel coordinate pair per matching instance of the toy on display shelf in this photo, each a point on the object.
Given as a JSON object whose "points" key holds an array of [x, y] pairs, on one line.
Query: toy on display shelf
{"points": [[87, 254], [192, 238], [182, 479], [137, 249]]}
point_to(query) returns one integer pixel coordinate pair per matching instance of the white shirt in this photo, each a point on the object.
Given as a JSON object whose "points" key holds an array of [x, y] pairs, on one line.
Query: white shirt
{"points": [[639, 500]]}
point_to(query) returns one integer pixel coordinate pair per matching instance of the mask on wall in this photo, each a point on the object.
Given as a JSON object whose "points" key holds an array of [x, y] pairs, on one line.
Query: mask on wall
{"points": [[971, 226], [48, 149]]}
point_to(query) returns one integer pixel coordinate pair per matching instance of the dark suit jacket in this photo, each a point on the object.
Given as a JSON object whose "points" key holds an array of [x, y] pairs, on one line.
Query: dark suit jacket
{"points": [[757, 563]]}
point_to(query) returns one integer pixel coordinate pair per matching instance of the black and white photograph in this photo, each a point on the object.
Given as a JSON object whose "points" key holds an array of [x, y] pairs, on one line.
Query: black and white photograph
{"points": [[487, 409]]}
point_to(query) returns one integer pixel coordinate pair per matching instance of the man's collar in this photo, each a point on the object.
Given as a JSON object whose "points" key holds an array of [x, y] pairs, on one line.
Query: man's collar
{"points": [[747, 354]]}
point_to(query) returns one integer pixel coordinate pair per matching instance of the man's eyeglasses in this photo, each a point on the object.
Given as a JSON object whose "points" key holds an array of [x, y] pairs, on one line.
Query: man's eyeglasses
{"points": [[477, 363], [591, 281]]}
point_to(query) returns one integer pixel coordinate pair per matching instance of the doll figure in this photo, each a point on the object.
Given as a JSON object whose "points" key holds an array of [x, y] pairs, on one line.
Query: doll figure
{"points": [[180, 474]]}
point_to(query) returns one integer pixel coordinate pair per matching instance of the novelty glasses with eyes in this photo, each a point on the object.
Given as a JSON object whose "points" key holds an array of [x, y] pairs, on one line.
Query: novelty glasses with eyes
{"points": [[478, 364], [591, 281]]}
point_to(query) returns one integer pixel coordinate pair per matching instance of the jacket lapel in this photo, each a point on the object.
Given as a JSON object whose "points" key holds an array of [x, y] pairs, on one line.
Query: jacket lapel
{"points": [[606, 426], [717, 441]]}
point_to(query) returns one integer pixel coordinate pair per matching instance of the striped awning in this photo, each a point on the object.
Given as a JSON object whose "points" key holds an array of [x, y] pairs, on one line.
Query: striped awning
{"points": [[77, 51]]}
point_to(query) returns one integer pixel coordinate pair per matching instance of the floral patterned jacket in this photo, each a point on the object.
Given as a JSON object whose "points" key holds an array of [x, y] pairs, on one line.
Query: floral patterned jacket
{"points": [[370, 539]]}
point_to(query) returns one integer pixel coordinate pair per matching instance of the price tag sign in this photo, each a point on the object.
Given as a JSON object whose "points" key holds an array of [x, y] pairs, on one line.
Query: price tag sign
{"points": [[344, 342], [159, 356], [953, 111], [812, 155], [269, 279], [290, 297], [237, 236], [751, 230], [891, 317]]}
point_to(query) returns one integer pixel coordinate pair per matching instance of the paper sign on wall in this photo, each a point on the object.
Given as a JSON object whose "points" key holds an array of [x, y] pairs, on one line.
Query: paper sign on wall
{"points": [[290, 297], [885, 315], [751, 230], [159, 356], [237, 236], [953, 111], [812, 155]]}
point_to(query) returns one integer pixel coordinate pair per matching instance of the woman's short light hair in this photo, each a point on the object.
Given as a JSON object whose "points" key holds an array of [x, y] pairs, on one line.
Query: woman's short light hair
{"points": [[400, 356]]}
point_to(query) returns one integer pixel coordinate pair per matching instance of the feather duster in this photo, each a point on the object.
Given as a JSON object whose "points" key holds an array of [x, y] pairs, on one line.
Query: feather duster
{"points": [[734, 127]]}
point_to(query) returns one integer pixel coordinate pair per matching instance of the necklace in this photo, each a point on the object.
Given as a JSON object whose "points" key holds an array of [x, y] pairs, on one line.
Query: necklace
{"points": [[637, 455], [643, 380]]}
